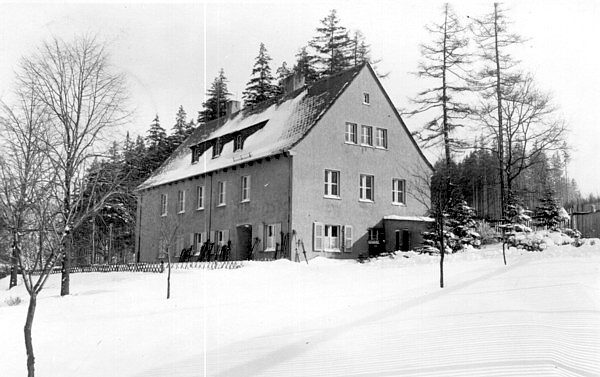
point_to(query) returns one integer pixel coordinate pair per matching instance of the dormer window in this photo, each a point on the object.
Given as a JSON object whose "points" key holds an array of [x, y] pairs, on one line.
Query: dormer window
{"points": [[238, 143], [217, 148]]}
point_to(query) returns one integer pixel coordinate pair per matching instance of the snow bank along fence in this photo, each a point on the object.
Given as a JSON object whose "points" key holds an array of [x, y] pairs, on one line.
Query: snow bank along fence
{"points": [[152, 267]]}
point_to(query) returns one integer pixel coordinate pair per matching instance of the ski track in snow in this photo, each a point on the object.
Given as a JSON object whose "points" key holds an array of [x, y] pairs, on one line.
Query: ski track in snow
{"points": [[538, 316], [520, 343]]}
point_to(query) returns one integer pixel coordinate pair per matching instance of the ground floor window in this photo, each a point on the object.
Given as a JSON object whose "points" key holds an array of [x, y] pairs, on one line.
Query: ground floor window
{"points": [[332, 237], [272, 232]]}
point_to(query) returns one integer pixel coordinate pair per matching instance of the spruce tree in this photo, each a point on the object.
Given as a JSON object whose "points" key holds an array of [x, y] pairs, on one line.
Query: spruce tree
{"points": [[216, 104], [548, 212], [333, 47], [282, 72], [305, 65], [261, 86], [182, 129], [156, 134]]}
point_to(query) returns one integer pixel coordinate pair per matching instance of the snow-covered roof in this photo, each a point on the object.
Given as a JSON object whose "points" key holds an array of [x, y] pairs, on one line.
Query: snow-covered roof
{"points": [[287, 118], [409, 218]]}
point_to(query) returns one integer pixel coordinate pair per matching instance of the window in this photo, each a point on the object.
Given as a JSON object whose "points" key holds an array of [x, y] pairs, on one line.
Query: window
{"points": [[200, 197], [270, 237], [238, 143], [245, 188], [366, 187], [181, 201], [217, 148], [366, 135], [199, 239], [373, 235], [381, 138], [163, 204], [398, 191], [332, 183], [366, 99], [221, 237], [332, 238], [221, 186], [351, 133]]}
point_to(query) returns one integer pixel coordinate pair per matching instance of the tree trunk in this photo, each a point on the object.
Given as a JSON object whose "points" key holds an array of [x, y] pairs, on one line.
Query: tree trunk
{"points": [[442, 251], [66, 266], [27, 332], [169, 276], [499, 99], [14, 270]]}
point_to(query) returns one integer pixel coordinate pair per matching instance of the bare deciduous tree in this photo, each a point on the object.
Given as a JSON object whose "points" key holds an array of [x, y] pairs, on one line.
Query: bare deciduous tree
{"points": [[84, 99]]}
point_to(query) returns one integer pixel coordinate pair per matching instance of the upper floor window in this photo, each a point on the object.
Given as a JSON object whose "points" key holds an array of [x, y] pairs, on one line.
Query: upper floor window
{"points": [[181, 201], [217, 148], [366, 98], [332, 183], [221, 186], [245, 184], [366, 135], [200, 197], [163, 204], [366, 187], [238, 143], [381, 138], [398, 191], [351, 133]]}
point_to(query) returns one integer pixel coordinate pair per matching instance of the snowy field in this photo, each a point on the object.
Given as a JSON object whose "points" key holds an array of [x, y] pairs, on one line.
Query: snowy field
{"points": [[538, 316]]}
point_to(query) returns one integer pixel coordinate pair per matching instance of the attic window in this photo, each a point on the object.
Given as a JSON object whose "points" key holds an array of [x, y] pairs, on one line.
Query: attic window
{"points": [[217, 148], [238, 143], [366, 99]]}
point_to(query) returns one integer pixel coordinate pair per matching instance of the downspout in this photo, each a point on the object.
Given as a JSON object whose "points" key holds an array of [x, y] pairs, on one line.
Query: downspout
{"points": [[139, 246], [210, 196], [290, 188]]}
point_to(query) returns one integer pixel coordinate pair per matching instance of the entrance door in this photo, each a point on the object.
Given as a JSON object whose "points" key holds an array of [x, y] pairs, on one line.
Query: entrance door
{"points": [[405, 240], [244, 242]]}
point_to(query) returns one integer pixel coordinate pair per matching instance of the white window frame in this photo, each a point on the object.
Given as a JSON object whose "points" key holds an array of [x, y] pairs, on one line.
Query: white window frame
{"points": [[331, 188], [270, 237], [331, 243], [365, 189], [221, 193], [164, 201], [181, 201], [366, 138], [366, 98], [200, 197], [381, 140], [351, 134], [238, 143], [216, 148], [245, 186], [398, 191]]}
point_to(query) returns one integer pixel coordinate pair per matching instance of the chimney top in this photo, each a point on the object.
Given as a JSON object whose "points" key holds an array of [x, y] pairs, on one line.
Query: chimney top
{"points": [[293, 82], [233, 107]]}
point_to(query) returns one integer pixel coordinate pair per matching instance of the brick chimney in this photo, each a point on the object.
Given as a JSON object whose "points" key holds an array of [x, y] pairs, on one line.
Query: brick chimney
{"points": [[293, 82], [233, 107]]}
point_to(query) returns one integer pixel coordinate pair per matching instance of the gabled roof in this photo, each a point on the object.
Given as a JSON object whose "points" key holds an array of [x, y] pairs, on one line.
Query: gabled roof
{"points": [[288, 119]]}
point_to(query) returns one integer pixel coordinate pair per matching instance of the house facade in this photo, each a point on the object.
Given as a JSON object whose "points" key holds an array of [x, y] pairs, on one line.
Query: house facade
{"points": [[327, 170]]}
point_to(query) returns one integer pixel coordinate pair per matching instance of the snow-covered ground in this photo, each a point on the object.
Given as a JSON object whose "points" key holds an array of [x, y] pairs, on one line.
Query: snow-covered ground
{"points": [[540, 315]]}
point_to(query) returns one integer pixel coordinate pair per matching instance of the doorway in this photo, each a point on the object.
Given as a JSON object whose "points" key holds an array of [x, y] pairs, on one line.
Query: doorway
{"points": [[244, 242]]}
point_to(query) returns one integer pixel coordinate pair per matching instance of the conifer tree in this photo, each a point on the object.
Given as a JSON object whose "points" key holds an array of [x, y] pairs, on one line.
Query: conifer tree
{"points": [[156, 134], [305, 65], [261, 85], [216, 104], [332, 46], [443, 61], [182, 129], [548, 212], [282, 72]]}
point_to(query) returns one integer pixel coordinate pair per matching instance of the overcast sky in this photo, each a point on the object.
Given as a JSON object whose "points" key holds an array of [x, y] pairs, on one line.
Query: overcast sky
{"points": [[170, 52]]}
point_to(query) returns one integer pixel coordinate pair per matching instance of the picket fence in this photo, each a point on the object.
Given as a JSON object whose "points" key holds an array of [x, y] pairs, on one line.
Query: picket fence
{"points": [[157, 267]]}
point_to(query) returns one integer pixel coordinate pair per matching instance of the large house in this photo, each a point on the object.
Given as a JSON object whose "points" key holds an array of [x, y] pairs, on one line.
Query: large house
{"points": [[327, 169]]}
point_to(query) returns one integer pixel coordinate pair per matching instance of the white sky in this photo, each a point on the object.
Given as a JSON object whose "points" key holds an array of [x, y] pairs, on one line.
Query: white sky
{"points": [[162, 50]]}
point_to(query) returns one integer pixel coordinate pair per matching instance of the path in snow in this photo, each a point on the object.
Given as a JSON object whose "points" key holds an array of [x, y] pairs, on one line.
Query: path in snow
{"points": [[532, 317]]}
